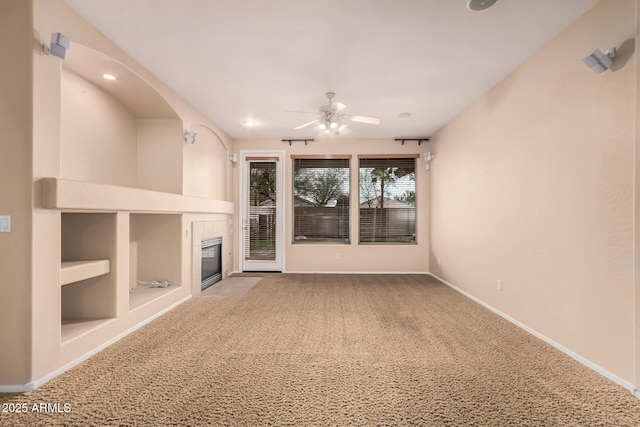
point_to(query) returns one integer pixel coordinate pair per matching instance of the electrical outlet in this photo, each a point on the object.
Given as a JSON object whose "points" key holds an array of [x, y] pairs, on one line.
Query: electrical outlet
{"points": [[499, 284], [337, 256], [438, 261]]}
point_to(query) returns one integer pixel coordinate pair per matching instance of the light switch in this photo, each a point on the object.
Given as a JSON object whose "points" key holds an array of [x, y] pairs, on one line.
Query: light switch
{"points": [[5, 223]]}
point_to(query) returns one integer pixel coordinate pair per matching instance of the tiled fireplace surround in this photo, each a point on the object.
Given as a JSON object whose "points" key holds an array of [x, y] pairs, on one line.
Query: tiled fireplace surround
{"points": [[207, 229]]}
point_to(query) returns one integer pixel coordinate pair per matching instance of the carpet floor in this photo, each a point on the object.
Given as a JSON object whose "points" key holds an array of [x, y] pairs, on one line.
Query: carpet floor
{"points": [[338, 350]]}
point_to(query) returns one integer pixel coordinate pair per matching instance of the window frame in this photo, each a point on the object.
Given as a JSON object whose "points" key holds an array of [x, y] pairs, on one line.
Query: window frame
{"points": [[320, 157], [361, 157]]}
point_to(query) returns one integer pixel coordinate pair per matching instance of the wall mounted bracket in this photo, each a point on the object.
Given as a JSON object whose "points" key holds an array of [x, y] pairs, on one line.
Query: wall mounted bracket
{"points": [[420, 140], [291, 141]]}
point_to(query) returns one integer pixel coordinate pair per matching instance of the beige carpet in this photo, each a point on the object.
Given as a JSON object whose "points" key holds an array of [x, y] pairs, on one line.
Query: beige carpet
{"points": [[333, 350]]}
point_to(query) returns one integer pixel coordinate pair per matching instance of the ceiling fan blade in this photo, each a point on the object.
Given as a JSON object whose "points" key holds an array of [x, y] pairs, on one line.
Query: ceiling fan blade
{"points": [[364, 119], [304, 125], [344, 130], [336, 107]]}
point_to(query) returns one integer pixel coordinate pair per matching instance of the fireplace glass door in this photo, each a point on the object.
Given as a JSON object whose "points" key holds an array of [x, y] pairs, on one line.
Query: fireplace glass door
{"points": [[211, 262]]}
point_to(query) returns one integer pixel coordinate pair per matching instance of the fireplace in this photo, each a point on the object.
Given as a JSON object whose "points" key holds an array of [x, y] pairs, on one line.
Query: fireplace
{"points": [[211, 262]]}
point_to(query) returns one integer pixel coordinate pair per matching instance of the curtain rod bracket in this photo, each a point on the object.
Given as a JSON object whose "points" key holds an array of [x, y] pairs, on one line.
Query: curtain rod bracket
{"points": [[291, 141], [420, 140]]}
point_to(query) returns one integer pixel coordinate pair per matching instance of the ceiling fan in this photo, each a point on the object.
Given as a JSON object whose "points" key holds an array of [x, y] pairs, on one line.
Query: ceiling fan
{"points": [[332, 120]]}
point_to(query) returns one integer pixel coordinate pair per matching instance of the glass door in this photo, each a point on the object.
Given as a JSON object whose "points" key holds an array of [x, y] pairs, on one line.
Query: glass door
{"points": [[262, 212]]}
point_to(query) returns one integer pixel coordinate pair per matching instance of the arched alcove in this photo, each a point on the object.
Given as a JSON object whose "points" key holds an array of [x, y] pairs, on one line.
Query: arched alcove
{"points": [[118, 131]]}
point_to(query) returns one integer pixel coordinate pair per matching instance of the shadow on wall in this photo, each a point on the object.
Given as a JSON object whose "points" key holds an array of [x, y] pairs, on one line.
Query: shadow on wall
{"points": [[623, 54]]}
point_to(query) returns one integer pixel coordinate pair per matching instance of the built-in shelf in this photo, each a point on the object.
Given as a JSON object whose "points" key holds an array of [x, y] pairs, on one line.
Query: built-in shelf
{"points": [[68, 194], [141, 295], [87, 272], [155, 253], [75, 271], [74, 328], [118, 209]]}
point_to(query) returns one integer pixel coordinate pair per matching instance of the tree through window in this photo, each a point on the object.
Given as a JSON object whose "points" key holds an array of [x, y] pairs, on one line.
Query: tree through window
{"points": [[321, 200], [387, 211]]}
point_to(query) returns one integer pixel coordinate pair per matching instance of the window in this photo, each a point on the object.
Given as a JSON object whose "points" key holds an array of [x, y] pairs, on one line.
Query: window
{"points": [[387, 212], [320, 200]]}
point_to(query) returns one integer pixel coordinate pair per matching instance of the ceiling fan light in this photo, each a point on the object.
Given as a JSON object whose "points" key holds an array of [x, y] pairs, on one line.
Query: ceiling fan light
{"points": [[332, 121]]}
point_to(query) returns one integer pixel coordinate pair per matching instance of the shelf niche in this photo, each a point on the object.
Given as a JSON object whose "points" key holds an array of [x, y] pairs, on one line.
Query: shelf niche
{"points": [[155, 251], [88, 294], [120, 132]]}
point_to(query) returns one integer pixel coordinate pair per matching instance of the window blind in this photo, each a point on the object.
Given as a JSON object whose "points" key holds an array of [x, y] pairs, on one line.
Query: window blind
{"points": [[321, 200], [387, 200], [260, 207]]}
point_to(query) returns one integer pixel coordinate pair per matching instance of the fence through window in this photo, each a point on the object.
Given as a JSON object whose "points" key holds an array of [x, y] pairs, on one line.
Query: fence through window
{"points": [[387, 211], [320, 200]]}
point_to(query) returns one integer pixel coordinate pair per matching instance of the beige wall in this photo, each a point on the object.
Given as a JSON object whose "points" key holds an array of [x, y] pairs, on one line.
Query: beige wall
{"points": [[40, 139], [353, 257], [159, 157], [15, 193], [207, 166], [533, 185]]}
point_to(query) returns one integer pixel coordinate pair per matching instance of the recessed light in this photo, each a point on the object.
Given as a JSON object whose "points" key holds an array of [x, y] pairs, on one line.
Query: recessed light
{"points": [[477, 5], [249, 123], [108, 77], [404, 115]]}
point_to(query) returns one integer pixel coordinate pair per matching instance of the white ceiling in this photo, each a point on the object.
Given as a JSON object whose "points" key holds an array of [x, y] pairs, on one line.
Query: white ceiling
{"points": [[239, 60]]}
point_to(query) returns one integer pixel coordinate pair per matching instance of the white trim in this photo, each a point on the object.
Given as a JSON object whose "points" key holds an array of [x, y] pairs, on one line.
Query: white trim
{"points": [[15, 388], [279, 263], [354, 272], [35, 384], [599, 369]]}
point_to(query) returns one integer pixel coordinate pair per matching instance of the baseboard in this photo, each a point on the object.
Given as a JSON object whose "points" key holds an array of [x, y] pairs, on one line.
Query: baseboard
{"points": [[355, 272], [15, 388], [599, 369], [35, 384]]}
